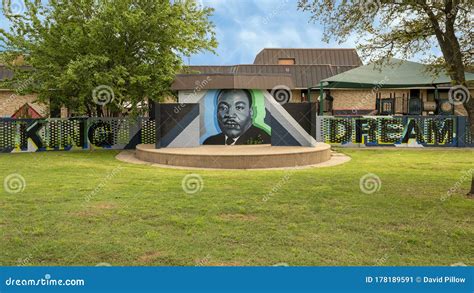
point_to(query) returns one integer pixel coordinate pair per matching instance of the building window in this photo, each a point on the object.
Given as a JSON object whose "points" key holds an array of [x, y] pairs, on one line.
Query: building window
{"points": [[286, 61], [414, 106], [328, 102], [304, 97], [387, 106], [414, 103]]}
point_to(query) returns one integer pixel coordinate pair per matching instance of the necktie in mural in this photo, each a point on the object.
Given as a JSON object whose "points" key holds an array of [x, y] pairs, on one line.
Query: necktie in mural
{"points": [[229, 141]]}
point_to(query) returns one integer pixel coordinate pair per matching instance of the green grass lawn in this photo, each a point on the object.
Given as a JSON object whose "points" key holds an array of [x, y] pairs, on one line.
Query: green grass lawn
{"points": [[140, 215]]}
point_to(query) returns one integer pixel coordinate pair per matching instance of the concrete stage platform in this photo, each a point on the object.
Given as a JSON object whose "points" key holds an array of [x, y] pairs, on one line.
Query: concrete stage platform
{"points": [[235, 157]]}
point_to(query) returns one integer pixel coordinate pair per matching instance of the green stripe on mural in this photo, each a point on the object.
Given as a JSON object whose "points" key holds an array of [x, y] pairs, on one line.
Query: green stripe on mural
{"points": [[259, 112]]}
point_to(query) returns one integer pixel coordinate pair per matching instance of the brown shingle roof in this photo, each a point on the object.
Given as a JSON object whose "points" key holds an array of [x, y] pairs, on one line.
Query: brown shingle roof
{"points": [[302, 76], [311, 66], [230, 81], [341, 57]]}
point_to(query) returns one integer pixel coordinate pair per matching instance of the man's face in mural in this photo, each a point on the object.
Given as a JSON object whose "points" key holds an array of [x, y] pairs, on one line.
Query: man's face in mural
{"points": [[234, 112]]}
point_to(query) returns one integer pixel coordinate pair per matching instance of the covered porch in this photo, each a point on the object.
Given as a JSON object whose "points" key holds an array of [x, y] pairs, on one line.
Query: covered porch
{"points": [[399, 88]]}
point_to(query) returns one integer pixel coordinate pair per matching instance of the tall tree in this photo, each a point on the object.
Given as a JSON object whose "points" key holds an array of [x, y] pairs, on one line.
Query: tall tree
{"points": [[406, 28], [100, 57]]}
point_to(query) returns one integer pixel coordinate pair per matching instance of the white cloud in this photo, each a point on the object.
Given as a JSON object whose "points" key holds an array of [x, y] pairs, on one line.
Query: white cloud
{"points": [[245, 27]]}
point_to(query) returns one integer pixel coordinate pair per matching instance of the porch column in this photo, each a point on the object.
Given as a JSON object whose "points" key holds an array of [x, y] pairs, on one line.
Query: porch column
{"points": [[321, 99]]}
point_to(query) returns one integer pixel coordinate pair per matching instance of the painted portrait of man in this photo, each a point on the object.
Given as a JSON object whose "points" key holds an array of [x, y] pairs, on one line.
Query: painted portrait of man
{"points": [[234, 116]]}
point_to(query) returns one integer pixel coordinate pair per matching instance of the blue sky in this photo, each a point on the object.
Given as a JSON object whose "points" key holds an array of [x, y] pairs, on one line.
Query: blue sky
{"points": [[244, 27]]}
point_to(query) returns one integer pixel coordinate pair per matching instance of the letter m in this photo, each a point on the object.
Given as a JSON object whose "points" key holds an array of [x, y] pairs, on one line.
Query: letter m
{"points": [[441, 131]]}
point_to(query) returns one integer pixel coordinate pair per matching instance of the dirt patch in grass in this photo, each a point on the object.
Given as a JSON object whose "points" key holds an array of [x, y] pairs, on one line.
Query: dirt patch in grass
{"points": [[237, 217], [105, 205], [224, 264], [95, 209], [150, 257]]}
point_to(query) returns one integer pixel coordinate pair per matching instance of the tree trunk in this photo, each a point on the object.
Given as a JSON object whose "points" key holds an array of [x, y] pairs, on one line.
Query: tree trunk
{"points": [[451, 50], [471, 193], [449, 45], [470, 112]]}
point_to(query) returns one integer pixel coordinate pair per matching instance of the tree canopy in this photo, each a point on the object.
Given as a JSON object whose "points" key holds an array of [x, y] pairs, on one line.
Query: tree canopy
{"points": [[99, 57], [405, 28]]}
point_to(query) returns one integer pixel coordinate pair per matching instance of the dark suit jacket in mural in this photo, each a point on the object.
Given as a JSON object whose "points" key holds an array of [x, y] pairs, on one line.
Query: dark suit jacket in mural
{"points": [[253, 135]]}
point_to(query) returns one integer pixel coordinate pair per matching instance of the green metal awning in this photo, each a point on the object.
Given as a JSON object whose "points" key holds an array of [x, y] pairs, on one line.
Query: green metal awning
{"points": [[397, 74]]}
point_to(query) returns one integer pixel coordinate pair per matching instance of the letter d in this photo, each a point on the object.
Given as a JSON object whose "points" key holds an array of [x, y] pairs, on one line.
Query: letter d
{"points": [[8, 282]]}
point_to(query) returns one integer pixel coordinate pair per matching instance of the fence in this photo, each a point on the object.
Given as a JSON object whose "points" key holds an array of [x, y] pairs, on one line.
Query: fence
{"points": [[29, 135], [409, 131]]}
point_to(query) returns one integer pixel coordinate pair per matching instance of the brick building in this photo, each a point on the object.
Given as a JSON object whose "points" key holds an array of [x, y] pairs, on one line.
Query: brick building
{"points": [[295, 75], [398, 87], [19, 106]]}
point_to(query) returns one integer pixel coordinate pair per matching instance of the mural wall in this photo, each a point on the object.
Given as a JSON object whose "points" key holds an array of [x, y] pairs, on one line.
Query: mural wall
{"points": [[234, 117], [178, 125], [30, 135], [401, 131], [241, 116]]}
